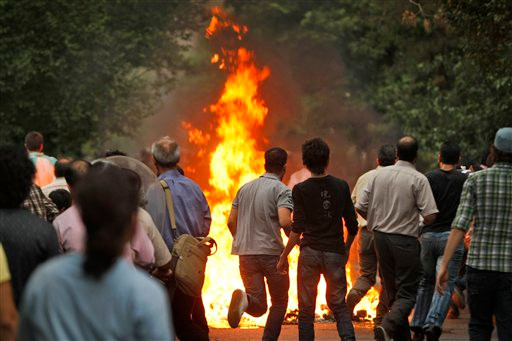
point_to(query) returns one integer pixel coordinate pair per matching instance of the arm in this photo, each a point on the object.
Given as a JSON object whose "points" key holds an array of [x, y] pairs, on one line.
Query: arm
{"points": [[233, 220], [294, 239], [456, 237], [363, 200], [285, 219], [207, 216], [143, 251], [425, 202], [429, 219], [8, 313], [350, 218]]}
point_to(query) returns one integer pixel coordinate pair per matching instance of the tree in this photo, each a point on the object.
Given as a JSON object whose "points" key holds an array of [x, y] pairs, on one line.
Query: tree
{"points": [[439, 70], [79, 71]]}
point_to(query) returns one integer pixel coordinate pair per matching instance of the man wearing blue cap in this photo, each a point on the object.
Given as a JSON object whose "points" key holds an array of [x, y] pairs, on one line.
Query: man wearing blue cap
{"points": [[487, 197]]}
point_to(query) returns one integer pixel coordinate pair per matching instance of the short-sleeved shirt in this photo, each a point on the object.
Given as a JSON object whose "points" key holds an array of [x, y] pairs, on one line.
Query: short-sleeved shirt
{"points": [[321, 204], [258, 231], [361, 183], [446, 187], [487, 198], [44, 168], [394, 199], [5, 275], [62, 302], [28, 241]]}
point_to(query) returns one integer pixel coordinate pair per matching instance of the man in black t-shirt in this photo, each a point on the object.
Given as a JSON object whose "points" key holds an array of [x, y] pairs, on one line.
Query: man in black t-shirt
{"points": [[321, 204], [446, 183]]}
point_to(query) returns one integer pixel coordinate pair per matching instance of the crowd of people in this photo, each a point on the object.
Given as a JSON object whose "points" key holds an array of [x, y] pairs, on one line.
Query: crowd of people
{"points": [[86, 249]]}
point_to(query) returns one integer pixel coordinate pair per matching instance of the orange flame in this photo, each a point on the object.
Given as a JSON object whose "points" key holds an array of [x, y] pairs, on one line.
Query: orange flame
{"points": [[239, 116]]}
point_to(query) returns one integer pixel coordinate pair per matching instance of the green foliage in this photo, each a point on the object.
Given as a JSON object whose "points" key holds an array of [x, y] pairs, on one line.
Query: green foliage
{"points": [[440, 70], [79, 71]]}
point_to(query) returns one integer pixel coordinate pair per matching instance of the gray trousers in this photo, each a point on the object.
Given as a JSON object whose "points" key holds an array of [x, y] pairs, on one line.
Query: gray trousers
{"points": [[368, 266]]}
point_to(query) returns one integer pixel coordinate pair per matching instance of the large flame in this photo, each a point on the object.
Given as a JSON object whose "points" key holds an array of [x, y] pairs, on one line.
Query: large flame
{"points": [[239, 116]]}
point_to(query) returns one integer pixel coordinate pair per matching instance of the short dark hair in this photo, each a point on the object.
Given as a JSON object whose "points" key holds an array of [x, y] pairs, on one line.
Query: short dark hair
{"points": [[60, 167], [449, 153], [16, 174], [34, 140], [107, 204], [387, 155], [61, 198], [500, 156], [275, 160], [136, 182], [76, 171], [407, 149], [315, 155], [114, 152]]}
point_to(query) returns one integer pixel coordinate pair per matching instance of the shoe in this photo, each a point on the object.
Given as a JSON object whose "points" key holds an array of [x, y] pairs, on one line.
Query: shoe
{"points": [[237, 307], [381, 334], [458, 298], [418, 335], [432, 333]]}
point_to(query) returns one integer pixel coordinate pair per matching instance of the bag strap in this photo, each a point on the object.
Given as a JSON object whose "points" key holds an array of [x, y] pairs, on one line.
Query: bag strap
{"points": [[210, 243], [170, 205]]}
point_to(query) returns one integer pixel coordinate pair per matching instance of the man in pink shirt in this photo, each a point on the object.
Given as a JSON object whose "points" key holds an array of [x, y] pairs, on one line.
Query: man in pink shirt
{"points": [[71, 230]]}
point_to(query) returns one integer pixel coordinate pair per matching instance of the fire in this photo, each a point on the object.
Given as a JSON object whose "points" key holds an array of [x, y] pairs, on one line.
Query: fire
{"points": [[239, 115]]}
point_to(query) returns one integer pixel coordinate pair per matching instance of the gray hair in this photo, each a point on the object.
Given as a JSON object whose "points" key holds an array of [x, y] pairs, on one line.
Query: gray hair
{"points": [[166, 152]]}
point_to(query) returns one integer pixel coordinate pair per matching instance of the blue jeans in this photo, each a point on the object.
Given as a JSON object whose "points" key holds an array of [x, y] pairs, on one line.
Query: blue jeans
{"points": [[254, 270], [489, 293], [432, 307], [313, 263]]}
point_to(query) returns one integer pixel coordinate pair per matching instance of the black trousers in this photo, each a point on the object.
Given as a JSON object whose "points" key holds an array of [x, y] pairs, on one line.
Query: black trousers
{"points": [[189, 317], [401, 271]]}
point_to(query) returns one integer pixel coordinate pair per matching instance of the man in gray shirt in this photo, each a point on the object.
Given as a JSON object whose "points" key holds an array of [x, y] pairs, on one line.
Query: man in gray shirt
{"points": [[392, 202], [260, 209]]}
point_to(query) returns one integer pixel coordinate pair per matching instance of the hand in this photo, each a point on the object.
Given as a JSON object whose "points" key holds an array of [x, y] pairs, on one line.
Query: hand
{"points": [[163, 275], [442, 280], [282, 265]]}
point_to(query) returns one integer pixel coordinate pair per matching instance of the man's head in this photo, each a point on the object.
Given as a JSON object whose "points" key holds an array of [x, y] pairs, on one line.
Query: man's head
{"points": [[315, 155], [75, 172], [166, 153], [60, 167], [387, 155], [407, 149], [502, 147], [34, 141], [16, 173], [61, 198], [275, 161], [449, 153]]}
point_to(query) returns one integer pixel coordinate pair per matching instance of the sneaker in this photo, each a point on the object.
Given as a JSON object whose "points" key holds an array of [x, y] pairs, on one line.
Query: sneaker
{"points": [[381, 334], [432, 333], [458, 298], [237, 307]]}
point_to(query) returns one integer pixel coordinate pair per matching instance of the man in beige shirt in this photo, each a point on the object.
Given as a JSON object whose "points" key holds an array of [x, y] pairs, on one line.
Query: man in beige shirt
{"points": [[367, 255], [392, 203]]}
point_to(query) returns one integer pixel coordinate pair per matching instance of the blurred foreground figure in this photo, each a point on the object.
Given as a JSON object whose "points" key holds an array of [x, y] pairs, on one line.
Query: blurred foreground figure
{"points": [[367, 256], [8, 313], [27, 239], [431, 307], [96, 295], [259, 210], [322, 206], [486, 198], [392, 203], [44, 164]]}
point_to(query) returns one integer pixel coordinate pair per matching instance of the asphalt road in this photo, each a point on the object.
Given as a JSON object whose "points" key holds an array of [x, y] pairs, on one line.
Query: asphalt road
{"points": [[454, 330]]}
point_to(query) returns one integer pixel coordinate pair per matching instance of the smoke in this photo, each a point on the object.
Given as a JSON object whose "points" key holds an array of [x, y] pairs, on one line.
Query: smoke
{"points": [[306, 94]]}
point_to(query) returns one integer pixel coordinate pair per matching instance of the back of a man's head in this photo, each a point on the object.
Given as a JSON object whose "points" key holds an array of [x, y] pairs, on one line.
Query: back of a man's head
{"points": [[166, 152], [60, 167], [76, 170], [275, 160], [315, 155], [16, 173], [387, 155], [407, 149], [34, 141], [449, 153]]}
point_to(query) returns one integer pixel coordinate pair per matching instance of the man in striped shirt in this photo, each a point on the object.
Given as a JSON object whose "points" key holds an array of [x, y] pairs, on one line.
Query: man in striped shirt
{"points": [[487, 198]]}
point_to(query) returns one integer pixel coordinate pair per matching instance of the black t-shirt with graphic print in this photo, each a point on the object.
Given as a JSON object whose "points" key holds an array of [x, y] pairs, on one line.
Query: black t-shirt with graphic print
{"points": [[320, 206]]}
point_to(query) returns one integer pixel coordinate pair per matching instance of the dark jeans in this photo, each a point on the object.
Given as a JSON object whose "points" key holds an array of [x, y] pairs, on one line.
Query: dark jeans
{"points": [[368, 274], [432, 307], [254, 270], [313, 263], [400, 268], [189, 317], [489, 293]]}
